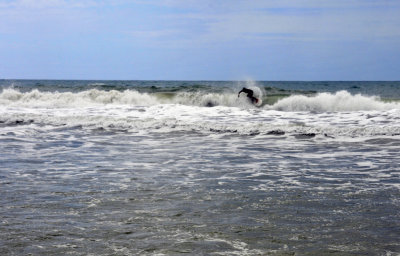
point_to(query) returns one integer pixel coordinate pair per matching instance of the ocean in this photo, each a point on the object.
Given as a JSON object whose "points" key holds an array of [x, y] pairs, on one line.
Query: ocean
{"points": [[188, 167]]}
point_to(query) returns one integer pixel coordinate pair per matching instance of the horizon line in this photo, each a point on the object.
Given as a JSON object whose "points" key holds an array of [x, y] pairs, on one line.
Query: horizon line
{"points": [[197, 80]]}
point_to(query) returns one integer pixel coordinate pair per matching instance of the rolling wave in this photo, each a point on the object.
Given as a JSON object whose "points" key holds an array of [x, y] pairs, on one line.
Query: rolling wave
{"points": [[333, 102], [321, 102]]}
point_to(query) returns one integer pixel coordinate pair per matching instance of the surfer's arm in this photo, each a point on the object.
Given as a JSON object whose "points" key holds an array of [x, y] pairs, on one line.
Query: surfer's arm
{"points": [[240, 92]]}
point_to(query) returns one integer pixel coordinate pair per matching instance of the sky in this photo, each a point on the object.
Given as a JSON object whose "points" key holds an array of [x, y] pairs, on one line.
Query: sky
{"points": [[200, 39]]}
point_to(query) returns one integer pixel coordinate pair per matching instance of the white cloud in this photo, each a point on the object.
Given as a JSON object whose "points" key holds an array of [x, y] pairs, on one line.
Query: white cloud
{"points": [[50, 4], [210, 21], [296, 20], [337, 25], [245, 5], [154, 34]]}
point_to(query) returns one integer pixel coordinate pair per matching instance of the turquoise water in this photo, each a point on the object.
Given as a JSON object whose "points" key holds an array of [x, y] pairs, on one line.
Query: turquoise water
{"points": [[180, 167]]}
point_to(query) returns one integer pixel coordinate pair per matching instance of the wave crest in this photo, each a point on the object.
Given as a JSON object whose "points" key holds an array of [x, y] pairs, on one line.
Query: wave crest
{"points": [[36, 98], [341, 101], [328, 102]]}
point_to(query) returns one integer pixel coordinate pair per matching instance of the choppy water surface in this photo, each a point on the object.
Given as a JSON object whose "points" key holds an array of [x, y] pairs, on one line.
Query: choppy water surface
{"points": [[122, 172]]}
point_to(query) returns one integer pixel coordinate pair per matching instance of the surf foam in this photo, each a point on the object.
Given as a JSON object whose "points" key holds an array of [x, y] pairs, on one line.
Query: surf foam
{"points": [[328, 102], [341, 101], [36, 98]]}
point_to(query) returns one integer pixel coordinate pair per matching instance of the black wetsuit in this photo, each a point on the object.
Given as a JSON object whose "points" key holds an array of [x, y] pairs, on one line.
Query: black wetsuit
{"points": [[249, 93]]}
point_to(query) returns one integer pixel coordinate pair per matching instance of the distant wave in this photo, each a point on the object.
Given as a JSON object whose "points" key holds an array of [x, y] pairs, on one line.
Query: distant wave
{"points": [[322, 102]]}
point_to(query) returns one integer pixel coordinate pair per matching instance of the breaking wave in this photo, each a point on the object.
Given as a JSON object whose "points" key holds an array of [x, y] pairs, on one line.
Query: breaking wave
{"points": [[328, 102], [36, 98], [322, 102]]}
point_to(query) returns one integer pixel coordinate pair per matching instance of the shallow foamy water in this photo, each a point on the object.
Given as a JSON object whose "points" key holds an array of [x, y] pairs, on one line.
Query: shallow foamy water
{"points": [[216, 190]]}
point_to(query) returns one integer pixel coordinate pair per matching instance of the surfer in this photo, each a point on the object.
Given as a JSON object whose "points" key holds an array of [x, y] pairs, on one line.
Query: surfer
{"points": [[249, 93]]}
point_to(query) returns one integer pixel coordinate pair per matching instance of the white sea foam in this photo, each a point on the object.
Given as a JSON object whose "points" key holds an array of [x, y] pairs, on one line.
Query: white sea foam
{"points": [[323, 102], [327, 102], [217, 120], [36, 98], [339, 114]]}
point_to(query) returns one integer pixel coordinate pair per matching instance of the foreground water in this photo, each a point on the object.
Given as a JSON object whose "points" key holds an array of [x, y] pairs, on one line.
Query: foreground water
{"points": [[169, 168]]}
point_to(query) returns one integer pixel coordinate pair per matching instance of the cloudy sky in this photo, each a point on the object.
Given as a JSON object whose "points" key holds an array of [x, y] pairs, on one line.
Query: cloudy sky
{"points": [[200, 39]]}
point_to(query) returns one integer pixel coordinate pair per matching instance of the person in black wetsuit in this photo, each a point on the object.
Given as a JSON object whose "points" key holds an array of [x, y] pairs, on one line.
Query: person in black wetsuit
{"points": [[249, 93]]}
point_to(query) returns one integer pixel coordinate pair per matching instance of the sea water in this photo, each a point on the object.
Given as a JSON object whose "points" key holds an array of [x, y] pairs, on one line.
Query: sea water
{"points": [[188, 167]]}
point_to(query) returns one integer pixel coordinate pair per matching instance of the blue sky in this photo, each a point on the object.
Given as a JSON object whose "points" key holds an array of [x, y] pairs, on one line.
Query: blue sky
{"points": [[200, 40]]}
